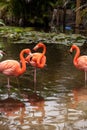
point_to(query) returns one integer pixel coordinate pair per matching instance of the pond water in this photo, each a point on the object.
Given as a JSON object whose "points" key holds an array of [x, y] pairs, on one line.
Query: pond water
{"points": [[60, 100]]}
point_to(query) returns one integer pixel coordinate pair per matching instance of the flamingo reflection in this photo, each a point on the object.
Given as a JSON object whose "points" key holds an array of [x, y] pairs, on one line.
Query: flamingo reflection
{"points": [[11, 107], [36, 105], [80, 95]]}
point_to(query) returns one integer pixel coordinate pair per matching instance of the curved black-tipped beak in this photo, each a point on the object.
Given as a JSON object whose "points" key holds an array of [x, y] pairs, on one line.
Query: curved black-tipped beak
{"points": [[35, 48], [2, 52], [70, 52]]}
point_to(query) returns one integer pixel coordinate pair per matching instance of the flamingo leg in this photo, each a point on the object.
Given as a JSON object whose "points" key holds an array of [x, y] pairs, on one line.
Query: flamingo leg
{"points": [[85, 78], [8, 85], [35, 79], [8, 82]]}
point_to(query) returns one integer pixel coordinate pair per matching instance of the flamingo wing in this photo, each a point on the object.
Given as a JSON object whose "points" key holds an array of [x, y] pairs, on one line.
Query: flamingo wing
{"points": [[38, 60], [33, 59], [82, 63], [9, 67], [42, 62]]}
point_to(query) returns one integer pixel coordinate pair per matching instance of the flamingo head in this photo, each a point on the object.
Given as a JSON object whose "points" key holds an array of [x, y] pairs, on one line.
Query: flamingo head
{"points": [[2, 53], [28, 57], [40, 44], [71, 50], [28, 52], [73, 47]]}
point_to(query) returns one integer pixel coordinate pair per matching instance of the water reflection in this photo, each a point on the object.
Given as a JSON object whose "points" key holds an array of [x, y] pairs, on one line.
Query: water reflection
{"points": [[80, 96], [22, 112], [10, 106], [11, 111], [35, 107], [59, 102], [79, 105]]}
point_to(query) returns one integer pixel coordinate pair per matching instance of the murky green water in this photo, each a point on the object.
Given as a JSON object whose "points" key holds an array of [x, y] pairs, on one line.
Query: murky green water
{"points": [[60, 102]]}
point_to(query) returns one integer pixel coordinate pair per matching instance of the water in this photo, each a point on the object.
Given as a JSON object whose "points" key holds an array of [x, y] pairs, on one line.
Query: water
{"points": [[60, 102]]}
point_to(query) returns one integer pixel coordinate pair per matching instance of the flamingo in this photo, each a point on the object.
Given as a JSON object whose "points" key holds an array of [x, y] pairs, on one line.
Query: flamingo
{"points": [[37, 60], [79, 62], [13, 67], [12, 107], [1, 54]]}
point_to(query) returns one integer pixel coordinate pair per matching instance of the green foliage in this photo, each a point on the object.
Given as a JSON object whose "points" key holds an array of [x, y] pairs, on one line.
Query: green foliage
{"points": [[29, 35], [84, 17], [32, 12], [3, 5], [18, 7], [2, 22], [84, 12]]}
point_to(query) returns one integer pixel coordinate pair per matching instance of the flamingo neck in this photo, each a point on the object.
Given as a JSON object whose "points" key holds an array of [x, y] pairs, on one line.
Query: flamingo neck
{"points": [[43, 47], [23, 66], [76, 55], [41, 62], [44, 50]]}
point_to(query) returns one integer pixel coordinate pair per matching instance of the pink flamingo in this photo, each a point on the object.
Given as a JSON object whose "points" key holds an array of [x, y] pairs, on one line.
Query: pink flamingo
{"points": [[80, 62], [1, 54], [37, 60], [13, 67]]}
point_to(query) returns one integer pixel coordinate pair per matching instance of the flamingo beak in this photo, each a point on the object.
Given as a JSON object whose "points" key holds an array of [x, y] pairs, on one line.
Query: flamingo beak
{"points": [[2, 52], [71, 51], [35, 48], [29, 57], [30, 54]]}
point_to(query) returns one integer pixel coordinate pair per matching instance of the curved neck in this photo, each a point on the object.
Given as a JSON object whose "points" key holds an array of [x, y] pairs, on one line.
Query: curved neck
{"points": [[44, 48], [76, 55], [41, 60], [23, 66]]}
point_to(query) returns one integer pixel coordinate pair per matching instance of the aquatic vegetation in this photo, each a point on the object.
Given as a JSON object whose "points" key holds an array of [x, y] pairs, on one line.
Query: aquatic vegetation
{"points": [[29, 35]]}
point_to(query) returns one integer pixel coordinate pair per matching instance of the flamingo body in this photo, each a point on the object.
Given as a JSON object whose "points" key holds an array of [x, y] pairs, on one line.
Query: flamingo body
{"points": [[37, 59], [80, 62], [10, 67], [13, 67]]}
